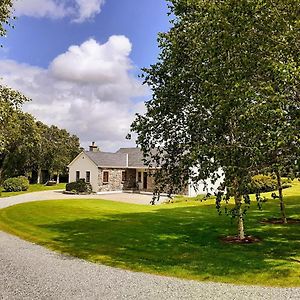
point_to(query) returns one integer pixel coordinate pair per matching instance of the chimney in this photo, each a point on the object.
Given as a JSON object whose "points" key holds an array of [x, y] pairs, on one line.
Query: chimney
{"points": [[94, 148]]}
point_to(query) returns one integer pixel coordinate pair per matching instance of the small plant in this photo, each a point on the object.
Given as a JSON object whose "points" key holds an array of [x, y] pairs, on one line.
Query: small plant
{"points": [[79, 186], [16, 184]]}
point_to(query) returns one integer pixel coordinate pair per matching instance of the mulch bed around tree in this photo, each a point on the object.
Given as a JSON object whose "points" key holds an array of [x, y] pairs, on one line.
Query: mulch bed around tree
{"points": [[235, 240], [279, 221]]}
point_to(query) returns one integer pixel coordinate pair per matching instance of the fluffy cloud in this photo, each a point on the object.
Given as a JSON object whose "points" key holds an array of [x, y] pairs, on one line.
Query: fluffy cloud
{"points": [[87, 9], [88, 90], [78, 10], [95, 63]]}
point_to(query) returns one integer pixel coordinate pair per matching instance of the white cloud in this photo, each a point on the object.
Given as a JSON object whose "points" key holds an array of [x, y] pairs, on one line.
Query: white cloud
{"points": [[88, 90], [78, 10], [87, 9], [92, 62]]}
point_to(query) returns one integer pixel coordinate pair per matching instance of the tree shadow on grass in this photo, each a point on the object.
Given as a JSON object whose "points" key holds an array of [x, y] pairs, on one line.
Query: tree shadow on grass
{"points": [[183, 242]]}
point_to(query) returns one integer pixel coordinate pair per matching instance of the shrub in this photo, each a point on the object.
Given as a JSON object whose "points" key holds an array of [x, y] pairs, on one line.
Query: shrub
{"points": [[79, 186], [16, 184], [266, 183]]}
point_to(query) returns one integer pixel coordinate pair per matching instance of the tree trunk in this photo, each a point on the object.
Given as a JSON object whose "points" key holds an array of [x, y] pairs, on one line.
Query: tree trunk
{"points": [[241, 231], [39, 175], [238, 205], [57, 178], [282, 206], [1, 171], [2, 159]]}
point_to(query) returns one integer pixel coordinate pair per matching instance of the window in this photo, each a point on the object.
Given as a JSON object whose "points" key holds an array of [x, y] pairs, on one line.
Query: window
{"points": [[139, 176], [77, 175], [105, 176], [123, 176], [88, 177]]}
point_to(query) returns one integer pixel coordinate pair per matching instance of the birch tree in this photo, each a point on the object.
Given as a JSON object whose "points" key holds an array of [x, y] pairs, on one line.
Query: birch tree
{"points": [[217, 67]]}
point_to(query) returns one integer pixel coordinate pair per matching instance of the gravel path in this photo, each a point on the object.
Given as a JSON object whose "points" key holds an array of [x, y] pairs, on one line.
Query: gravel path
{"points": [[29, 271], [56, 195]]}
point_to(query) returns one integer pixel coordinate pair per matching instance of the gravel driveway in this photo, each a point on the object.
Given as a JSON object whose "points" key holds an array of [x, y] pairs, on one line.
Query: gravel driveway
{"points": [[29, 271], [56, 195]]}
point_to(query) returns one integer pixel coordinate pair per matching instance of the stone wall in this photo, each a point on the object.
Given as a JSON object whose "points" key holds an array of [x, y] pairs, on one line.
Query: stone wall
{"points": [[114, 180]]}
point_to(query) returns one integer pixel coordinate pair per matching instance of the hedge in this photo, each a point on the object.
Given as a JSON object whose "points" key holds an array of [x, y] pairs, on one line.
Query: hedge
{"points": [[16, 184], [266, 183], [79, 186]]}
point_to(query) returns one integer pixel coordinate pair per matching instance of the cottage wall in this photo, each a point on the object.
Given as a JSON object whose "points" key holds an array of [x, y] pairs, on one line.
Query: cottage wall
{"points": [[82, 164], [114, 180]]}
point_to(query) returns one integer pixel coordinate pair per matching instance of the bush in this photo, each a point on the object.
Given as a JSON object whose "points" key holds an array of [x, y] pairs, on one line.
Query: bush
{"points": [[266, 183], [79, 186], [16, 184]]}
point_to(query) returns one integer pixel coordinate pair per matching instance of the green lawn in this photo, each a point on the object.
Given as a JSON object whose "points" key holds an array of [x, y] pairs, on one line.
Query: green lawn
{"points": [[33, 188], [179, 239]]}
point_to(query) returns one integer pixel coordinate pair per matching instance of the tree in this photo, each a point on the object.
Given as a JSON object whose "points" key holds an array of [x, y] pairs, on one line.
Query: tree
{"points": [[10, 127], [216, 69], [280, 132], [6, 7], [58, 148], [39, 147], [28, 145]]}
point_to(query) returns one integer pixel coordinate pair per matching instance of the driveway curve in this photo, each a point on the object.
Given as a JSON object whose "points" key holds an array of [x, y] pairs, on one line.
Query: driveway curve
{"points": [[29, 271], [59, 195]]}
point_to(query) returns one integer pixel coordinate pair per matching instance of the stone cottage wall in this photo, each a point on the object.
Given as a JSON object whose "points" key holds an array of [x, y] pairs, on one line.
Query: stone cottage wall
{"points": [[114, 180]]}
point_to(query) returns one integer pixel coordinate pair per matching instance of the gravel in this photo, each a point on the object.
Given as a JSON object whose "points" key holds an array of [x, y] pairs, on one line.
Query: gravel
{"points": [[58, 194], [29, 271]]}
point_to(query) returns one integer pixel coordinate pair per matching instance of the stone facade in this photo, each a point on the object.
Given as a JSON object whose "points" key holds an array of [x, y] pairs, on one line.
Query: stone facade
{"points": [[114, 183]]}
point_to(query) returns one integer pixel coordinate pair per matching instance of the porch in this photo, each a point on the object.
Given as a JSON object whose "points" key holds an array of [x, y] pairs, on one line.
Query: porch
{"points": [[138, 180]]}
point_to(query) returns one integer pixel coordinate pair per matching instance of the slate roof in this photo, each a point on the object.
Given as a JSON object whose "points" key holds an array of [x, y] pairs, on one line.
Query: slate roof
{"points": [[123, 158], [135, 157], [107, 159]]}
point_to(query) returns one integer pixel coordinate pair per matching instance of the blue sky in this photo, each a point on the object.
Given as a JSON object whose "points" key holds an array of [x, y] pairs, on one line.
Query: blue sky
{"points": [[95, 86]]}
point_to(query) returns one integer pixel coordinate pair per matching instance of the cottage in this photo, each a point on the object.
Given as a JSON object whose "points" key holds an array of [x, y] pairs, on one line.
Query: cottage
{"points": [[123, 170]]}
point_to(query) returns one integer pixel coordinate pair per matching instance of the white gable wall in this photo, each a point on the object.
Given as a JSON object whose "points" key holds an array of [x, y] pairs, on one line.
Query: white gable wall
{"points": [[205, 187], [83, 163]]}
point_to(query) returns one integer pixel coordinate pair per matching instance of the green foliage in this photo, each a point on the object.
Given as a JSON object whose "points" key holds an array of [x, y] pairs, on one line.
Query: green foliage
{"points": [[16, 184], [10, 114], [266, 183], [79, 186], [27, 144], [225, 88], [5, 14]]}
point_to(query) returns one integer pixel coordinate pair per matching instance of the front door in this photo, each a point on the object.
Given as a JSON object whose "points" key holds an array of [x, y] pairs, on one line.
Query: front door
{"points": [[145, 181]]}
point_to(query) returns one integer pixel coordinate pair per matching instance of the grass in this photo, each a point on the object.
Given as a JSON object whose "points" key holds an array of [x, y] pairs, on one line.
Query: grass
{"points": [[178, 239], [33, 188]]}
